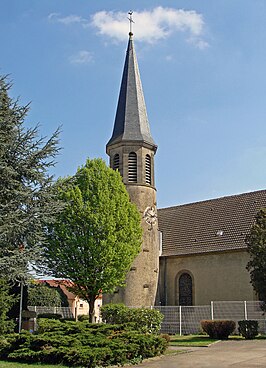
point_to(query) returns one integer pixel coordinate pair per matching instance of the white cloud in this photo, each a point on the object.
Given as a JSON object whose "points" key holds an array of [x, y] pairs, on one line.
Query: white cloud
{"points": [[70, 19], [153, 25], [82, 57], [169, 58]]}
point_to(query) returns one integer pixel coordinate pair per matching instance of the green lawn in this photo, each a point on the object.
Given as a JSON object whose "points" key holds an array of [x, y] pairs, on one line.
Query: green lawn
{"points": [[201, 340], [191, 340], [24, 365]]}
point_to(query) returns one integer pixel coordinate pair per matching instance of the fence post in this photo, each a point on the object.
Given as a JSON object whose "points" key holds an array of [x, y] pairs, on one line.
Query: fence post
{"points": [[245, 310], [212, 315], [35, 318], [180, 320]]}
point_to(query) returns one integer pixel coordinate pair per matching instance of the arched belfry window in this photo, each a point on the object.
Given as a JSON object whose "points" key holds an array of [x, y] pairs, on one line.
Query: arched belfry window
{"points": [[116, 162], [132, 167], [148, 169], [185, 289]]}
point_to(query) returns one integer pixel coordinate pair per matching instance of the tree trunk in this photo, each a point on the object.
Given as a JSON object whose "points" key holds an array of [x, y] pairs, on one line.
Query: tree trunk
{"points": [[91, 310]]}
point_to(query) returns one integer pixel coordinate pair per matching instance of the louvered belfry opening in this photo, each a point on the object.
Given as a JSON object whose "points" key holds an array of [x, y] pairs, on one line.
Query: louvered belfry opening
{"points": [[148, 169], [116, 162], [132, 167]]}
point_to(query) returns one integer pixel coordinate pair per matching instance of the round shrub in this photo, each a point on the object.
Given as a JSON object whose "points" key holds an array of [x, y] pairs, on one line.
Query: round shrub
{"points": [[218, 329], [144, 320], [248, 329]]}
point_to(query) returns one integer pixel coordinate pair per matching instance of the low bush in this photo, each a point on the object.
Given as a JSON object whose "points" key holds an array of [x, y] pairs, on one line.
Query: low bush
{"points": [[166, 337], [218, 329], [81, 344], [141, 319], [83, 317], [248, 329]]}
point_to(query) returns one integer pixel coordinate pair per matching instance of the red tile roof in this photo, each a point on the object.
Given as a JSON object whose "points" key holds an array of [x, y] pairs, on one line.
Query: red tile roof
{"points": [[209, 226]]}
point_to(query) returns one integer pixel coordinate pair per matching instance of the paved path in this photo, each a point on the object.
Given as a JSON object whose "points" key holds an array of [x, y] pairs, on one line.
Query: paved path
{"points": [[242, 354]]}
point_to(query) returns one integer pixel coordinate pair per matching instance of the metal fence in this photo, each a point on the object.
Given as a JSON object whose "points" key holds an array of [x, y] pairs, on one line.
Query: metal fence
{"points": [[64, 311], [186, 319]]}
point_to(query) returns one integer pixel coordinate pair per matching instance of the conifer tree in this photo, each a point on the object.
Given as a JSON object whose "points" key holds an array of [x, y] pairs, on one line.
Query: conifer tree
{"points": [[97, 236], [256, 246], [27, 198]]}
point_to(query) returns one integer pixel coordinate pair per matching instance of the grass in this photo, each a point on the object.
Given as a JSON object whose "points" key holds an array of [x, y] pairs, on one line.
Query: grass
{"points": [[201, 340], [4, 364], [191, 340]]}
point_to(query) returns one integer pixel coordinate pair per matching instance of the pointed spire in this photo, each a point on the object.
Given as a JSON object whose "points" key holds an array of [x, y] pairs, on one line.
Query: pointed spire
{"points": [[131, 121]]}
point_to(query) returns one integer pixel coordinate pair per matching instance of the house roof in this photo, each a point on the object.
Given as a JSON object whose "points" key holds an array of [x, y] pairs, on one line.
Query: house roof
{"points": [[209, 226], [63, 286], [131, 121]]}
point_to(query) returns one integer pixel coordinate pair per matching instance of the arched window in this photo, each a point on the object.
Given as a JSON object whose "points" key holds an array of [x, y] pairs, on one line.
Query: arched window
{"points": [[185, 289], [148, 169], [132, 167], [116, 162]]}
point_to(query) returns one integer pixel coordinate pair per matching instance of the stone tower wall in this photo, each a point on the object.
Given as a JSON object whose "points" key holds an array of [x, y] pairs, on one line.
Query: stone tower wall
{"points": [[142, 279]]}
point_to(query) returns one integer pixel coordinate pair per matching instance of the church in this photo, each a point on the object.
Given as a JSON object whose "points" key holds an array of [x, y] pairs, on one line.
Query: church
{"points": [[191, 254]]}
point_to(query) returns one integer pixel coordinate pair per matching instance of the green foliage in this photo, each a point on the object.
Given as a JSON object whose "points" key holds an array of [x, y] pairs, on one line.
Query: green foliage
{"points": [[6, 301], [166, 337], [115, 313], [141, 319], [256, 247], [43, 295], [218, 329], [81, 344], [27, 198], [97, 236], [83, 317], [248, 329]]}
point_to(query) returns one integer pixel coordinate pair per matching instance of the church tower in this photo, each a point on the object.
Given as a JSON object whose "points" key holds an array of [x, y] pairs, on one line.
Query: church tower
{"points": [[131, 150]]}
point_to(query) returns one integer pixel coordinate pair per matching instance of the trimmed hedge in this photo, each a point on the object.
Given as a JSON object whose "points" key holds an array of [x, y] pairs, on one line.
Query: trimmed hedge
{"points": [[248, 329], [80, 344], [218, 329], [141, 319]]}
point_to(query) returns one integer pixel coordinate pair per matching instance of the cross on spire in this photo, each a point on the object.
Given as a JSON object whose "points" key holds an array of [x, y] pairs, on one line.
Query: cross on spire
{"points": [[130, 22]]}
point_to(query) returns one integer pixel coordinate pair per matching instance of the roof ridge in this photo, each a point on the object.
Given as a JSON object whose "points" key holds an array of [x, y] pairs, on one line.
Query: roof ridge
{"points": [[213, 199]]}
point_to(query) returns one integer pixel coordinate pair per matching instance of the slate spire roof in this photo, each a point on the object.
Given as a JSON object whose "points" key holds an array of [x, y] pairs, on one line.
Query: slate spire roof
{"points": [[131, 121]]}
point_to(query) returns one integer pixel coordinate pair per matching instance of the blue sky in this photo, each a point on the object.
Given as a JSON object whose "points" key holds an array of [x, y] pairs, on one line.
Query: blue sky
{"points": [[202, 66]]}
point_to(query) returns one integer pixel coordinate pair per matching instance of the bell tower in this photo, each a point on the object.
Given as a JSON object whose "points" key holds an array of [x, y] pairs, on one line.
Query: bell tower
{"points": [[131, 150]]}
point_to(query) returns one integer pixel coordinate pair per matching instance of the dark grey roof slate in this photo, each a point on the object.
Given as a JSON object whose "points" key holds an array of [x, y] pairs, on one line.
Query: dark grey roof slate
{"points": [[194, 228], [131, 121]]}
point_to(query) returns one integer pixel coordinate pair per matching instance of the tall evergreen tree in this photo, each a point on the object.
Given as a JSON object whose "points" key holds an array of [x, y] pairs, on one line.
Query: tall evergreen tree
{"points": [[27, 198], [256, 246], [97, 235]]}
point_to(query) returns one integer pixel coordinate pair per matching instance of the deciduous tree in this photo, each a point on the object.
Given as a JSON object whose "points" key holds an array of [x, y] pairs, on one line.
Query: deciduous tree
{"points": [[97, 236]]}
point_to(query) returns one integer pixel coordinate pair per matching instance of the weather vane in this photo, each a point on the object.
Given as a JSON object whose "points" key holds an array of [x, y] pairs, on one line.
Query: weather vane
{"points": [[130, 22]]}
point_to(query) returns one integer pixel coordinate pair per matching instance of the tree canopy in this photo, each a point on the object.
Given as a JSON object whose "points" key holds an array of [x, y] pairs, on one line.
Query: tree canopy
{"points": [[256, 246], [40, 294], [27, 198], [97, 236]]}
